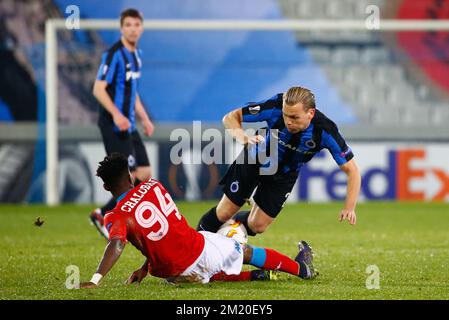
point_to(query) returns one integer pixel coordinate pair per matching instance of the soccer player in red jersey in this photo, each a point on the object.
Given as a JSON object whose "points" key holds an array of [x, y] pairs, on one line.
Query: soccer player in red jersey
{"points": [[147, 217]]}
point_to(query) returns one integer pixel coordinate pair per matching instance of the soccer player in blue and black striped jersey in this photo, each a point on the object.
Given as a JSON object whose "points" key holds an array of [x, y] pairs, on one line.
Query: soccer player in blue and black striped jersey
{"points": [[298, 130], [116, 90]]}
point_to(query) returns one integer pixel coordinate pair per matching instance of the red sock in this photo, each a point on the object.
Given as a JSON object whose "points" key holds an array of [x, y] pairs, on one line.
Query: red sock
{"points": [[243, 276], [277, 261]]}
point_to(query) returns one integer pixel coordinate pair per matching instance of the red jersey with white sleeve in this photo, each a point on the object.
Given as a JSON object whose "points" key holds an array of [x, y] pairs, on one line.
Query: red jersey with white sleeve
{"points": [[148, 218]]}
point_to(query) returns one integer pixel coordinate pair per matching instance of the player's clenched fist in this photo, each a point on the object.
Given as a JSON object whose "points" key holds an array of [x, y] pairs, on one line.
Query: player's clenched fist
{"points": [[254, 139], [121, 121]]}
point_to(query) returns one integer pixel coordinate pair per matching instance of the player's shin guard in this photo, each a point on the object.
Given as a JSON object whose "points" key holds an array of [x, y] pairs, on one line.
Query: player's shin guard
{"points": [[269, 259], [242, 216], [209, 221]]}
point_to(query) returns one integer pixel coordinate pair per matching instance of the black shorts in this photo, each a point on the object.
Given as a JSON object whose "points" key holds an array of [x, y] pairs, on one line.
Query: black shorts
{"points": [[272, 191], [129, 144]]}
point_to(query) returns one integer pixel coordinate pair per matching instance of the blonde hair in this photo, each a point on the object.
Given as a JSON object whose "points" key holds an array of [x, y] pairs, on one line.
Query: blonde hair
{"points": [[296, 95]]}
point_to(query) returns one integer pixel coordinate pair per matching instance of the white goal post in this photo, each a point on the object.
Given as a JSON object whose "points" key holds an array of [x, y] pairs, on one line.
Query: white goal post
{"points": [[51, 74]]}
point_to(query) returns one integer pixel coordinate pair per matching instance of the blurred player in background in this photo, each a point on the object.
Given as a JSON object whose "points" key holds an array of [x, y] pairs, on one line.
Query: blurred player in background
{"points": [[116, 90], [302, 131], [147, 217]]}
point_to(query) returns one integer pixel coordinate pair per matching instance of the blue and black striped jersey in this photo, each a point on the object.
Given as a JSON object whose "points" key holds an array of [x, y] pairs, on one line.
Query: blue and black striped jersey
{"points": [[293, 150], [121, 69]]}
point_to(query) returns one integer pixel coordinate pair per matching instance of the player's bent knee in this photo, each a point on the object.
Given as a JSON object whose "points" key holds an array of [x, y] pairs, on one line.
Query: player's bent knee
{"points": [[258, 220], [258, 227], [224, 214], [226, 209]]}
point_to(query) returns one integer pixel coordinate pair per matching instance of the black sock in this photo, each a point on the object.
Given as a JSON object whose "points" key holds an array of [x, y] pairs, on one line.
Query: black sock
{"points": [[209, 221], [242, 216], [108, 206]]}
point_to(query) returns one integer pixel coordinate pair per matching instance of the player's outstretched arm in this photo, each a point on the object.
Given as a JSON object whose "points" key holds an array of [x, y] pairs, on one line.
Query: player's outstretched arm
{"points": [[354, 181], [232, 122], [139, 274], [111, 254]]}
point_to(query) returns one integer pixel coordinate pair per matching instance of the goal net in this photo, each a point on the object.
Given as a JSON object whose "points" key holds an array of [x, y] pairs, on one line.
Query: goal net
{"points": [[368, 74]]}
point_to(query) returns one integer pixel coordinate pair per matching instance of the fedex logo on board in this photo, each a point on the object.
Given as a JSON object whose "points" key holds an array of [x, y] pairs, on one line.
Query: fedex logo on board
{"points": [[397, 179]]}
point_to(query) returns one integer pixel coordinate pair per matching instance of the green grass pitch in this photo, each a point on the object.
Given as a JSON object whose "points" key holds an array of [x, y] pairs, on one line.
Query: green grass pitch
{"points": [[408, 242]]}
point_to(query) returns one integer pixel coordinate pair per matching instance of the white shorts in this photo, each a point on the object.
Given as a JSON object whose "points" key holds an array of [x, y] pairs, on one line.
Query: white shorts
{"points": [[220, 254]]}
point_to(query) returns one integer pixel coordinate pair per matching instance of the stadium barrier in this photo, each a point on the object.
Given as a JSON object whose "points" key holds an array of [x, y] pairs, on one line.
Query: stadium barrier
{"points": [[392, 169]]}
